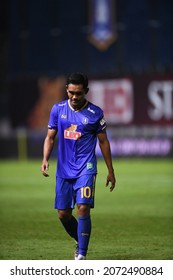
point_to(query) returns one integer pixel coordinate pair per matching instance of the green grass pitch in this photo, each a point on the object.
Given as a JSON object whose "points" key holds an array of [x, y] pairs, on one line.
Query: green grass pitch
{"points": [[134, 222]]}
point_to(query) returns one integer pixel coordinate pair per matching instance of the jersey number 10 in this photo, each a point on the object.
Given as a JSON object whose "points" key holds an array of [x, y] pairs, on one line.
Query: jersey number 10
{"points": [[85, 192]]}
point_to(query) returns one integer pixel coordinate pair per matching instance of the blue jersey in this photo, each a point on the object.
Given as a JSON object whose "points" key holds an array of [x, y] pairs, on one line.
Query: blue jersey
{"points": [[77, 138]]}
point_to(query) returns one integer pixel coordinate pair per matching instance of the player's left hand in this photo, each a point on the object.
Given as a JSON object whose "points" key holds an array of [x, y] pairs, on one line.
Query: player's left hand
{"points": [[111, 179], [44, 168]]}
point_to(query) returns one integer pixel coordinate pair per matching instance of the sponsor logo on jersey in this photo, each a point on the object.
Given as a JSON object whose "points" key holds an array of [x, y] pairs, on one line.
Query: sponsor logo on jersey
{"points": [[102, 121], [63, 116], [89, 165], [61, 104], [71, 133], [91, 110]]}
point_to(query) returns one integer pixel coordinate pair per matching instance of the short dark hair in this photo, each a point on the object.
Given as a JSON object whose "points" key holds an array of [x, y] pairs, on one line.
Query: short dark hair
{"points": [[77, 79]]}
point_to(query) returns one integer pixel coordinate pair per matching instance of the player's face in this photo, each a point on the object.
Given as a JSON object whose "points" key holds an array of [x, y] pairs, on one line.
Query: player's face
{"points": [[76, 94]]}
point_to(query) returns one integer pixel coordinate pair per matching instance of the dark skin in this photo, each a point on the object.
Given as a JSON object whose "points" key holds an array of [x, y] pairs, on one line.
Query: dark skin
{"points": [[76, 95]]}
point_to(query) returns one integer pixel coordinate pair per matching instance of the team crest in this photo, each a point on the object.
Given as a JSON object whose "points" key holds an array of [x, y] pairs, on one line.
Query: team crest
{"points": [[85, 120]]}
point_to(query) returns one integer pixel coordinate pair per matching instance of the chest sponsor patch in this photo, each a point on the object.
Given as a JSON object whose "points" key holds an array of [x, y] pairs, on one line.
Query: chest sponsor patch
{"points": [[71, 133]]}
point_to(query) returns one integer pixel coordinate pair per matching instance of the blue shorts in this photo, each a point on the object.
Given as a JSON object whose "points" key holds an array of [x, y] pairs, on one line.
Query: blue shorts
{"points": [[79, 190]]}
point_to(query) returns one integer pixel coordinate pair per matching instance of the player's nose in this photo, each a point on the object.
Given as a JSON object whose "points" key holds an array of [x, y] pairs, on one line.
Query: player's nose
{"points": [[75, 96]]}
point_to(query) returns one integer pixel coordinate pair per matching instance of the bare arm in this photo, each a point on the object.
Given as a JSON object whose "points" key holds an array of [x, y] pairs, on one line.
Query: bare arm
{"points": [[47, 149], [105, 149]]}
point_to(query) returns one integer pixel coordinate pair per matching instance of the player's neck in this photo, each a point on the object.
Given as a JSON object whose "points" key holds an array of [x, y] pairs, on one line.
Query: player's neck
{"points": [[80, 106]]}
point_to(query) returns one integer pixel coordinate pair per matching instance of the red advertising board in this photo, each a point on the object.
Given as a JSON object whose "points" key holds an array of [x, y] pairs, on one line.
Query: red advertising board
{"points": [[138, 100], [115, 97]]}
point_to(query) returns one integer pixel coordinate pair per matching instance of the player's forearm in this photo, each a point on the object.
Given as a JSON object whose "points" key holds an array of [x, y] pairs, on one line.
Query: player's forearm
{"points": [[47, 148], [106, 152]]}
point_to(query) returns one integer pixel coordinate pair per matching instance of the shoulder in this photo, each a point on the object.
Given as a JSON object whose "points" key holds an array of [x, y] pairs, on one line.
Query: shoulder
{"points": [[94, 109], [62, 103], [59, 105]]}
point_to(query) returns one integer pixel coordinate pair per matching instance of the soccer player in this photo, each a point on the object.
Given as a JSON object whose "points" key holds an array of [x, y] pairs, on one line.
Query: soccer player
{"points": [[78, 124]]}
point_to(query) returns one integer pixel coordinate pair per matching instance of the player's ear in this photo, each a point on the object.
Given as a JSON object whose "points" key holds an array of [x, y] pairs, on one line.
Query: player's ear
{"points": [[86, 91]]}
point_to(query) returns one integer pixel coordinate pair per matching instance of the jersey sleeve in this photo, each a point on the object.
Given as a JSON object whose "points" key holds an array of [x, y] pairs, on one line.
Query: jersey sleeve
{"points": [[53, 119], [101, 125]]}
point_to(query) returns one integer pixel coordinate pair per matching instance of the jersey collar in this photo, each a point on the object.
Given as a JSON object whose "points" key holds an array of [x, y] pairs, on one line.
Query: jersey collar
{"points": [[86, 103]]}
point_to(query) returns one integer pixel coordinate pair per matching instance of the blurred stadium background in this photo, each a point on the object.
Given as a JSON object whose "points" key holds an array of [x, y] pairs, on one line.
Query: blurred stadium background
{"points": [[124, 46]]}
